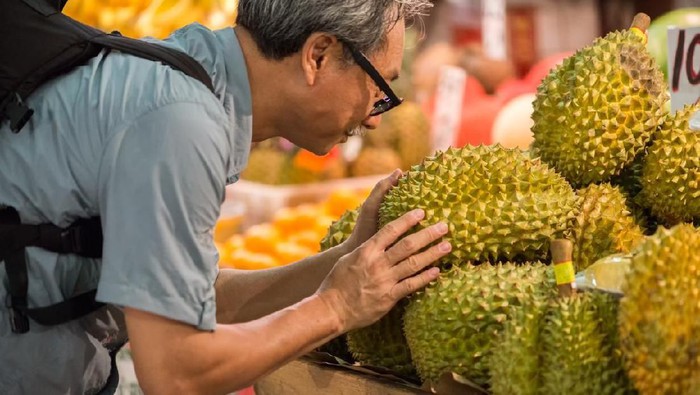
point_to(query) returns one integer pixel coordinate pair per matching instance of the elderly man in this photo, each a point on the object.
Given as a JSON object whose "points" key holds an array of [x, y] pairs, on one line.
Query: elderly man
{"points": [[150, 150]]}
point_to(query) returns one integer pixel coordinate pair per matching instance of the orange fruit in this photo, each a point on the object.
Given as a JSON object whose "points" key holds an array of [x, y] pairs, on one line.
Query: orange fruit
{"points": [[285, 220], [323, 222], [261, 238], [235, 242], [248, 260], [306, 215], [341, 200], [308, 238], [290, 252], [224, 254], [226, 227]]}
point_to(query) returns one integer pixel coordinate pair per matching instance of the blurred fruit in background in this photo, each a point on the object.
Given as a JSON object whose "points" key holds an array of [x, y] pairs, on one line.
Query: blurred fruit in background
{"points": [[490, 72], [511, 128], [404, 130], [278, 162], [294, 233], [155, 18], [477, 121], [303, 167], [425, 70], [658, 32]]}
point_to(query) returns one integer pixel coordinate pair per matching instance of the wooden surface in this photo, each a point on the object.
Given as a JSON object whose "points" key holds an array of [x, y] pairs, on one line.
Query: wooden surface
{"points": [[307, 378]]}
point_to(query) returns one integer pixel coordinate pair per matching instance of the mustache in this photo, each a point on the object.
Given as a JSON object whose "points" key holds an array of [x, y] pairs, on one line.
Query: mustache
{"points": [[357, 131]]}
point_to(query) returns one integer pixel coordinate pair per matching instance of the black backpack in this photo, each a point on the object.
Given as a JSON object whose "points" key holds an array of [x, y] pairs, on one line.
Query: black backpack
{"points": [[37, 43]]}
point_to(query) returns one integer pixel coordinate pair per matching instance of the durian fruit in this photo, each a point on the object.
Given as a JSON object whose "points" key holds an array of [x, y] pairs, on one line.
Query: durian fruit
{"points": [[406, 130], [671, 174], [660, 313], [375, 160], [340, 230], [265, 165], [604, 225], [499, 204], [596, 111], [414, 140], [453, 324], [383, 343], [630, 184], [579, 347], [514, 365]]}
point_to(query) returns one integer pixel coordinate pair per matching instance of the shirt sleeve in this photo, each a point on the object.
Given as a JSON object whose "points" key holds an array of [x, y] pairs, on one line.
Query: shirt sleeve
{"points": [[161, 184]]}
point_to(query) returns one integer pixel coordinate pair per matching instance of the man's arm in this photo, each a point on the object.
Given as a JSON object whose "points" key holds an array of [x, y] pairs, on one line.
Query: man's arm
{"points": [[244, 295], [172, 357], [175, 358]]}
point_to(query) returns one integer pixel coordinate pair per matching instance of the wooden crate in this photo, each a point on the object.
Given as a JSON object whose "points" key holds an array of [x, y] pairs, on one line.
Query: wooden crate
{"points": [[303, 377]]}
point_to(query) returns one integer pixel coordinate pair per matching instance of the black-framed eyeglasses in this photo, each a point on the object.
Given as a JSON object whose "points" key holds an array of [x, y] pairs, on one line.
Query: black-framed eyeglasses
{"points": [[390, 99]]}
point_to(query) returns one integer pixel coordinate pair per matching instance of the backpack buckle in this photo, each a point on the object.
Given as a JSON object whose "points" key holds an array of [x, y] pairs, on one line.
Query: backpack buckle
{"points": [[18, 113], [71, 240], [19, 322]]}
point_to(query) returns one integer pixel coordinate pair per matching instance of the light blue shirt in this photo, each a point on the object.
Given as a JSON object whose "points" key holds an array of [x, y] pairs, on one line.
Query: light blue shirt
{"points": [[148, 149]]}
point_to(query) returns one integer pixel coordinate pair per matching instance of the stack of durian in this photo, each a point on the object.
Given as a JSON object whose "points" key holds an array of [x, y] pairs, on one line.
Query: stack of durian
{"points": [[608, 165]]}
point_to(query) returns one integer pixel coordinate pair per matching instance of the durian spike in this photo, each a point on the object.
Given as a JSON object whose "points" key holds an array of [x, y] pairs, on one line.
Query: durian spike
{"points": [[562, 255]]}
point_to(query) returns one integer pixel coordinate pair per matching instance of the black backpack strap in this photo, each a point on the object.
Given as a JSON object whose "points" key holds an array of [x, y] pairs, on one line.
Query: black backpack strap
{"points": [[39, 43], [16, 269], [171, 57], [84, 238], [65, 311]]}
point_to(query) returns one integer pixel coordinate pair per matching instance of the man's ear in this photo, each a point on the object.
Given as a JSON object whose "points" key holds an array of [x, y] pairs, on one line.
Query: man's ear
{"points": [[316, 55]]}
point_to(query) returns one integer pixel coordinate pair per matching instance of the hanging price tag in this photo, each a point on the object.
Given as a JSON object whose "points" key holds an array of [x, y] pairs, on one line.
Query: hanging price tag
{"points": [[448, 106], [493, 31], [684, 66]]}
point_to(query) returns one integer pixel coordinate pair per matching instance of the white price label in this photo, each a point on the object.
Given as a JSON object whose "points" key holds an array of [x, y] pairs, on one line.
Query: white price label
{"points": [[493, 31], [447, 115], [684, 66]]}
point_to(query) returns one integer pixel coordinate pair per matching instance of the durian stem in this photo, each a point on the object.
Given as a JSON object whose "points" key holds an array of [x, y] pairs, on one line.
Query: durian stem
{"points": [[641, 21], [562, 255]]}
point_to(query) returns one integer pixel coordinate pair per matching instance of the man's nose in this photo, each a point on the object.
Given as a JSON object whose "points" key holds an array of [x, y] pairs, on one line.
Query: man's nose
{"points": [[372, 121]]}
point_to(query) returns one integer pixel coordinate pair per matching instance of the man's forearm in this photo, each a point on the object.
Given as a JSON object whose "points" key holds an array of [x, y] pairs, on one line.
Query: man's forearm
{"points": [[245, 295], [171, 357]]}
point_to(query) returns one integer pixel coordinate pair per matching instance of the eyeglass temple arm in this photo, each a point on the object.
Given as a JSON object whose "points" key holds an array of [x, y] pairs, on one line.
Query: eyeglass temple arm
{"points": [[378, 79]]}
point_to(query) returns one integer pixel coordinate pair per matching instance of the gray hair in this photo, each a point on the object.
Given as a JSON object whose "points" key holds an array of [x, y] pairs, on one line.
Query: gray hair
{"points": [[280, 27]]}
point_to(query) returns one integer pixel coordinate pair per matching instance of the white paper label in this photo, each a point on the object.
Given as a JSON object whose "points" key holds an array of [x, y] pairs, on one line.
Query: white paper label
{"points": [[493, 31], [447, 115], [684, 66]]}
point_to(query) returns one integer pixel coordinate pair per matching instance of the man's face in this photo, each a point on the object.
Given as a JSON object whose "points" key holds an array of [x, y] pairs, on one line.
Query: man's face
{"points": [[342, 99]]}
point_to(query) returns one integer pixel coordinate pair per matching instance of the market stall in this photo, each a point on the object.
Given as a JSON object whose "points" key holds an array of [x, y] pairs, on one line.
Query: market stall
{"points": [[523, 124]]}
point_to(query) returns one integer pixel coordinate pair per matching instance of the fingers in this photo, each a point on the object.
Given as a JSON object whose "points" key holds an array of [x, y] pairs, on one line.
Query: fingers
{"points": [[411, 244], [371, 204], [413, 284], [415, 263], [394, 229]]}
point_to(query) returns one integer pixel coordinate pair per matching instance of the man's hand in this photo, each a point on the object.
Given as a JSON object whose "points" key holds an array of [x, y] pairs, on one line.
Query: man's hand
{"points": [[365, 284], [368, 219]]}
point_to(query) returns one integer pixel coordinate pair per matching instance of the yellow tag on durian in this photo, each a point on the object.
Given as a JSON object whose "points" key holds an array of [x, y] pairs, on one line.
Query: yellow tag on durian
{"points": [[564, 272]]}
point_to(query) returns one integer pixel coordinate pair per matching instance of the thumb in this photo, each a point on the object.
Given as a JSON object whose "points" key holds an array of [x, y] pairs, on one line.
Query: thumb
{"points": [[375, 198]]}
